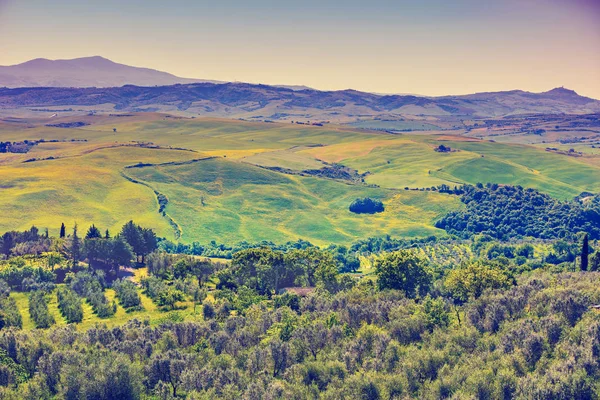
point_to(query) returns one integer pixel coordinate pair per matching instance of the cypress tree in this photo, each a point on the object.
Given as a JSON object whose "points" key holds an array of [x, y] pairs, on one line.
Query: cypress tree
{"points": [[585, 252], [62, 231], [75, 247]]}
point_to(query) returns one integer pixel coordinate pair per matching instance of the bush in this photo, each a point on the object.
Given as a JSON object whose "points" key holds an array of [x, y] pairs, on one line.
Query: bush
{"points": [[153, 286], [169, 297], [366, 206], [38, 309], [69, 305], [161, 293]]}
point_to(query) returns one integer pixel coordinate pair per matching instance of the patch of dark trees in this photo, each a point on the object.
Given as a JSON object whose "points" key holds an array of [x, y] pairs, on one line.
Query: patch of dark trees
{"points": [[337, 171], [366, 206], [505, 212], [443, 149], [77, 124], [329, 171], [26, 145]]}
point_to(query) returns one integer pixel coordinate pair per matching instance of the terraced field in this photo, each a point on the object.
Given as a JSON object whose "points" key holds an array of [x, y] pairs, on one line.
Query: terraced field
{"points": [[223, 180]]}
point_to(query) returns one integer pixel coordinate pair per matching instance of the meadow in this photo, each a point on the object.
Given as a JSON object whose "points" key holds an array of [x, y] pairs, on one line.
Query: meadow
{"points": [[220, 181]]}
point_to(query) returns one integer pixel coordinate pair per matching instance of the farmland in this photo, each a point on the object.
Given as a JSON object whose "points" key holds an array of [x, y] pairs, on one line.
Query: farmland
{"points": [[230, 181]]}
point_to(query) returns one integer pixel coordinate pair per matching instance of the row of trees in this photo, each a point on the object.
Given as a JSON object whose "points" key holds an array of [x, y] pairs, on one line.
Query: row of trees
{"points": [[128, 296], [38, 310], [91, 286], [69, 304]]}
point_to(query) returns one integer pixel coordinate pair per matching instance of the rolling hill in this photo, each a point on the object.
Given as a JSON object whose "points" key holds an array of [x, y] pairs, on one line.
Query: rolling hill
{"points": [[203, 179]]}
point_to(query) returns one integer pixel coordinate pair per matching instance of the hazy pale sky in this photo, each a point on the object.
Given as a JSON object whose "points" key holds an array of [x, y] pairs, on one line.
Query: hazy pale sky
{"points": [[431, 47]]}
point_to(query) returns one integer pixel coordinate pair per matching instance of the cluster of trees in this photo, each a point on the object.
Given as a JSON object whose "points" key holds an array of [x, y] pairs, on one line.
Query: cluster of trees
{"points": [[222, 250], [143, 241], [21, 276], [366, 206], [443, 149], [168, 266], [267, 271], [346, 258], [506, 212], [26, 242], [108, 253]]}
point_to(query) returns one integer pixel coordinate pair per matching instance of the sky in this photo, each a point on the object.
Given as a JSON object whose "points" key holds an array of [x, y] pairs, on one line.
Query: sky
{"points": [[429, 47]]}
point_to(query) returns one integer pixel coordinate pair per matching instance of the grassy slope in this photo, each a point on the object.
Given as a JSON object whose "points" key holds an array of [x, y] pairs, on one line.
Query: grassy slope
{"points": [[224, 200], [81, 189]]}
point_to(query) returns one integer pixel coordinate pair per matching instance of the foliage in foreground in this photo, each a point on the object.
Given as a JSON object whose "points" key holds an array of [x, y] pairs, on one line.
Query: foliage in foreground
{"points": [[537, 339]]}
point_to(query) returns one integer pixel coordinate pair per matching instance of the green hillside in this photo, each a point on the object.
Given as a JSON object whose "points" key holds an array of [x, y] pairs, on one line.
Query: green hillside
{"points": [[85, 175]]}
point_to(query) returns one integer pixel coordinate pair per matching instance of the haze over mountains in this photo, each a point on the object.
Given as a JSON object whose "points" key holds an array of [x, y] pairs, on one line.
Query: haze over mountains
{"points": [[108, 86]]}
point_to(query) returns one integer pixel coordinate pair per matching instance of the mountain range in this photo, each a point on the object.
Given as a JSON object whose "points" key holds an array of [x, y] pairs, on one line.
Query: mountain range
{"points": [[107, 86]]}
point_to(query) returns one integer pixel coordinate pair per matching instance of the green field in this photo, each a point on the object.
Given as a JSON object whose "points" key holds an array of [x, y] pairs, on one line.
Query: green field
{"points": [[213, 174]]}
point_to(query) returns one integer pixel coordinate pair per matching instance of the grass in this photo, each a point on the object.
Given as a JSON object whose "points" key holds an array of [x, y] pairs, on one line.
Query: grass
{"points": [[228, 199]]}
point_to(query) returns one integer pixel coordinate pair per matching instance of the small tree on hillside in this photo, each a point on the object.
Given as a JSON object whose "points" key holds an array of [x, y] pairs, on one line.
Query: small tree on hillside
{"points": [[63, 232], [470, 280]]}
